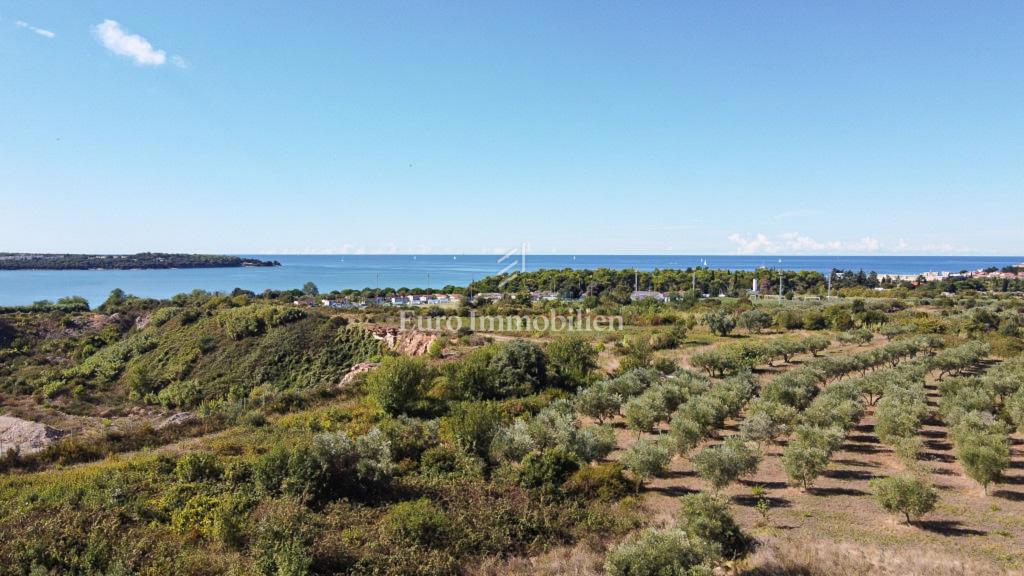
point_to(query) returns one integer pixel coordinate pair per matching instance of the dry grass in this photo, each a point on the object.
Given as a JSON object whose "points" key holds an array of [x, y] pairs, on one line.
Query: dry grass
{"points": [[796, 558], [579, 560]]}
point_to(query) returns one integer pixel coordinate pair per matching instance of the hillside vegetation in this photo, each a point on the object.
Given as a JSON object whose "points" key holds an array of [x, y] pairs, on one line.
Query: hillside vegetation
{"points": [[241, 434]]}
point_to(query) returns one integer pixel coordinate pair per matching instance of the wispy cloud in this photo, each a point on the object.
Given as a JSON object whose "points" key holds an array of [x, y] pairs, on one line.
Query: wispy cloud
{"points": [[179, 62], [115, 39], [41, 31], [795, 243]]}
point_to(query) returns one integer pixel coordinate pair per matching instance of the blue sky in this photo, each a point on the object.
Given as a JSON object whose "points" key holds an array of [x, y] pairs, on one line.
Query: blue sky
{"points": [[594, 127]]}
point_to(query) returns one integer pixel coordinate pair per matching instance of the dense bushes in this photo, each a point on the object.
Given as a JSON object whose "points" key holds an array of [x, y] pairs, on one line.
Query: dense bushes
{"points": [[397, 386], [571, 359], [662, 552], [555, 427], [705, 537], [240, 323], [331, 466]]}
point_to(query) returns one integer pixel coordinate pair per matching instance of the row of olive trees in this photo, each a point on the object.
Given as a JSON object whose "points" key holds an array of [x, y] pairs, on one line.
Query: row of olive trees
{"points": [[702, 410], [823, 425], [903, 408], [976, 410], [798, 387], [734, 358]]}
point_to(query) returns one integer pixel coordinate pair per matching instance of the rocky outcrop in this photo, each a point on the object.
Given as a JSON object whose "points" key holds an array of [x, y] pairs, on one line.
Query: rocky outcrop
{"points": [[25, 436], [361, 368], [410, 342], [176, 420]]}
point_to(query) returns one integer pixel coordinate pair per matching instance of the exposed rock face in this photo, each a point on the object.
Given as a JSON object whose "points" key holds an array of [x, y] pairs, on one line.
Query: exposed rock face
{"points": [[176, 420], [410, 342], [361, 368], [26, 436]]}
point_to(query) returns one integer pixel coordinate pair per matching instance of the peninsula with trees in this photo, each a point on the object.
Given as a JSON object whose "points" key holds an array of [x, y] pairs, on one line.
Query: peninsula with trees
{"points": [[143, 260]]}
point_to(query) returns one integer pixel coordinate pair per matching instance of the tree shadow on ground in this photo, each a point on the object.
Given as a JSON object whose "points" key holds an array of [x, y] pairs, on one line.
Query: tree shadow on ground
{"points": [[863, 438], [769, 485], [1009, 495], [862, 448], [672, 490], [938, 444], [836, 491], [933, 433], [750, 501], [849, 474], [855, 463], [949, 528], [938, 457]]}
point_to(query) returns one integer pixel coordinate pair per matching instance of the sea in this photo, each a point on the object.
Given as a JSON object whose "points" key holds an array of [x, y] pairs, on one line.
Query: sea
{"points": [[338, 272]]}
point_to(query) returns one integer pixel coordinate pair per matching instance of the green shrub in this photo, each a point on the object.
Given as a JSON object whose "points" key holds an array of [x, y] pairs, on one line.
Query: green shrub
{"points": [[662, 553], [397, 385], [281, 545], [708, 518], [472, 425], [598, 401], [240, 323], [601, 481], [571, 359], [519, 368], [417, 522], [450, 461], [546, 471], [197, 467], [332, 465], [161, 316]]}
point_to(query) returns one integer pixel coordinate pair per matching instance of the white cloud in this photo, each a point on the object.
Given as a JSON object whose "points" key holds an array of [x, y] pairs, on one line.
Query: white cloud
{"points": [[755, 245], [795, 243], [113, 38], [40, 31], [179, 62]]}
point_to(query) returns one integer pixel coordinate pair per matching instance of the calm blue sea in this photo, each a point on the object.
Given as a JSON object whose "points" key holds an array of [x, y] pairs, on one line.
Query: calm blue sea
{"points": [[340, 272]]}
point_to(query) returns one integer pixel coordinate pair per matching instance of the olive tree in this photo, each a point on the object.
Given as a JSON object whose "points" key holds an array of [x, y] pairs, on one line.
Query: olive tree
{"points": [[598, 401], [720, 322], [754, 321], [723, 464], [908, 496], [647, 457]]}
